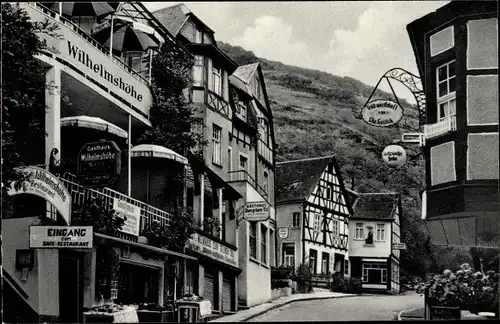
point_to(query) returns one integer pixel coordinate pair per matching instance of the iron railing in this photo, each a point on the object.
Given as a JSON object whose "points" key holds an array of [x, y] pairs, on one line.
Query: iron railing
{"points": [[243, 176], [80, 194]]}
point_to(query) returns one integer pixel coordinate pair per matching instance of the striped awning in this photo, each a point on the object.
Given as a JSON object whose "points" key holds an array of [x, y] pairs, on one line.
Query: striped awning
{"points": [[93, 123], [157, 151]]}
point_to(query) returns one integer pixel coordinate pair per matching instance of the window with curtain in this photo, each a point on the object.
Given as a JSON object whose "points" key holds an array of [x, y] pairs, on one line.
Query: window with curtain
{"points": [[317, 222], [198, 71], [335, 229], [217, 80], [289, 255], [216, 144], [446, 86], [263, 244], [359, 231], [380, 232], [253, 239]]}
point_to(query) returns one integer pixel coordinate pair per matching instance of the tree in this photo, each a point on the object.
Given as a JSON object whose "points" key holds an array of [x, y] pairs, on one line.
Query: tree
{"points": [[23, 89]]}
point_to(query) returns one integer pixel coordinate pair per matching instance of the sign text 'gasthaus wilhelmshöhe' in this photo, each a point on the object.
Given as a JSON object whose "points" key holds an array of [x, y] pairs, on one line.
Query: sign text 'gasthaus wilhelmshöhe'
{"points": [[382, 113], [99, 163]]}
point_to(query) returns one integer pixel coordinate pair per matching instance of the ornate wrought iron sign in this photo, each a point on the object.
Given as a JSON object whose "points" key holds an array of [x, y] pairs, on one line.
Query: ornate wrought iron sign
{"points": [[382, 113]]}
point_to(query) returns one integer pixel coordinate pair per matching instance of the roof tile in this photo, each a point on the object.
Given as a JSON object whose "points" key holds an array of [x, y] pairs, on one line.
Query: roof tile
{"points": [[376, 205]]}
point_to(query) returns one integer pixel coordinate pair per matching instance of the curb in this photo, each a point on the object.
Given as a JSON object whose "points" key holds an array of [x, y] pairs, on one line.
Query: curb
{"points": [[292, 301]]}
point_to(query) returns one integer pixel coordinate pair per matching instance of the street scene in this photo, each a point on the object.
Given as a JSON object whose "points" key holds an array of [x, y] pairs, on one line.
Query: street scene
{"points": [[249, 161]]}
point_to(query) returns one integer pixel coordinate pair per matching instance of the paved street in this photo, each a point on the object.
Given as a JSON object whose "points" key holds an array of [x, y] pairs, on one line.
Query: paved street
{"points": [[361, 308]]}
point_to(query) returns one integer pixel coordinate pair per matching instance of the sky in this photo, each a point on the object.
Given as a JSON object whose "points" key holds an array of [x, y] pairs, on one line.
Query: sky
{"points": [[359, 39]]}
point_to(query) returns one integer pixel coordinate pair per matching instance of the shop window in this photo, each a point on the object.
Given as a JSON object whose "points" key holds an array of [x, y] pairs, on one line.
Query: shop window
{"points": [[482, 156], [217, 80], [296, 219], [443, 163], [380, 232], [374, 273], [442, 40], [335, 227], [289, 255], [263, 244], [482, 99], [359, 231], [446, 86], [216, 144], [482, 44], [253, 239], [138, 284], [317, 222], [198, 68]]}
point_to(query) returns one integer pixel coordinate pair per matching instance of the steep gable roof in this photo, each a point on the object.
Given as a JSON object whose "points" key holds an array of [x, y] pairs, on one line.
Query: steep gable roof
{"points": [[380, 206], [173, 18], [246, 72], [295, 180]]}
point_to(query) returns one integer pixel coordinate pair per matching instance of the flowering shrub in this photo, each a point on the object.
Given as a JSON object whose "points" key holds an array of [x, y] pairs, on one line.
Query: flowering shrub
{"points": [[475, 291]]}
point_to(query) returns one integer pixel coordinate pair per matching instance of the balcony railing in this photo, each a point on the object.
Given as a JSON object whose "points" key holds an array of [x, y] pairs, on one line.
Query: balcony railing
{"points": [[444, 126], [149, 214], [243, 176], [78, 50]]}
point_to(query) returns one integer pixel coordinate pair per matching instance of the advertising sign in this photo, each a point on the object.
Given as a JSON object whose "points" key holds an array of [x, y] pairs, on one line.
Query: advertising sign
{"points": [[399, 246], [72, 237], [212, 249], [131, 214], [394, 155], [99, 163], [382, 113], [256, 211], [283, 232], [47, 186], [416, 138]]}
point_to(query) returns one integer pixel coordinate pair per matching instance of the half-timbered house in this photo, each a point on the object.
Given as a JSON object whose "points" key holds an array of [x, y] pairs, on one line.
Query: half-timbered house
{"points": [[312, 215], [375, 229]]}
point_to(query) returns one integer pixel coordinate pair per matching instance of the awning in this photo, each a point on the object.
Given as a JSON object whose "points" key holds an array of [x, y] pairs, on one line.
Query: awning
{"points": [[149, 150], [93, 123], [144, 246]]}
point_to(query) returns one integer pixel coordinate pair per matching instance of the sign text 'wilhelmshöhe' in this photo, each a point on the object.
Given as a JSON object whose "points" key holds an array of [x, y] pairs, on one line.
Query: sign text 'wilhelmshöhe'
{"points": [[61, 237], [382, 113], [100, 70], [47, 186], [99, 163]]}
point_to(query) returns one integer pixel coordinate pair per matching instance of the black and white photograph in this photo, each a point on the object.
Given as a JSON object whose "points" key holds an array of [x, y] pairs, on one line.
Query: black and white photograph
{"points": [[249, 161]]}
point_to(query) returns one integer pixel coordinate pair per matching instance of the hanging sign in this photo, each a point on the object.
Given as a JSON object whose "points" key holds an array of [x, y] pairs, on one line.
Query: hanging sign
{"points": [[43, 184], [382, 113], [256, 211], [131, 214], [415, 138], [399, 246], [283, 232], [394, 155], [73, 237], [99, 164]]}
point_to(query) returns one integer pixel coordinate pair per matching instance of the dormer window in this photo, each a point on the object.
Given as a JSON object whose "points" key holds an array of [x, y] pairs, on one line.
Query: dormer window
{"points": [[243, 109], [198, 36], [446, 86]]}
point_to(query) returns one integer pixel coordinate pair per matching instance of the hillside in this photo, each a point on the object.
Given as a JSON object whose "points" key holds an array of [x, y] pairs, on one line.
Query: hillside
{"points": [[318, 114]]}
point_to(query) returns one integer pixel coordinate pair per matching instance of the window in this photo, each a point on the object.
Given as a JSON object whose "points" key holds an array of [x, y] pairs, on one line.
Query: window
{"points": [[264, 131], [263, 244], [216, 144], [272, 248], [243, 109], [289, 255], [375, 273], [229, 160], [380, 232], [197, 36], [198, 71], [359, 231], [335, 229], [216, 80], [257, 88], [243, 163], [446, 86], [312, 260], [329, 191], [346, 267], [317, 222], [266, 181], [253, 240], [296, 219]]}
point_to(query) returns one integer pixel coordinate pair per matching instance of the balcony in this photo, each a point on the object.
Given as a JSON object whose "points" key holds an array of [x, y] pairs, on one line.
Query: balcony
{"points": [[149, 214], [243, 176], [442, 127], [80, 53]]}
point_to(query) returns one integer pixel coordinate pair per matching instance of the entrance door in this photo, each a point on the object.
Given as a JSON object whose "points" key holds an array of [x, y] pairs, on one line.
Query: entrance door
{"points": [[209, 289], [70, 287]]}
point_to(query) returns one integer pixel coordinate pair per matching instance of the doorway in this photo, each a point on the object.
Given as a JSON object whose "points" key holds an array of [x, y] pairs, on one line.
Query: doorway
{"points": [[70, 287]]}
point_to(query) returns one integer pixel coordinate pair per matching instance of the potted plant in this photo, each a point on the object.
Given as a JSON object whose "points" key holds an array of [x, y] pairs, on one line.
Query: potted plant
{"points": [[303, 277]]}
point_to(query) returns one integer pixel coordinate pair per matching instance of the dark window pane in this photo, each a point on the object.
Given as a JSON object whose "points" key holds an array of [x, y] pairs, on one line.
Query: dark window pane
{"points": [[443, 89], [453, 84], [442, 110], [451, 69], [442, 73]]}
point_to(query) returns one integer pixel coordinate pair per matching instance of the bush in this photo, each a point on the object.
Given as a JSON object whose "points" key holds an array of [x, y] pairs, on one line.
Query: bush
{"points": [[345, 285], [280, 284], [282, 272], [303, 277]]}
